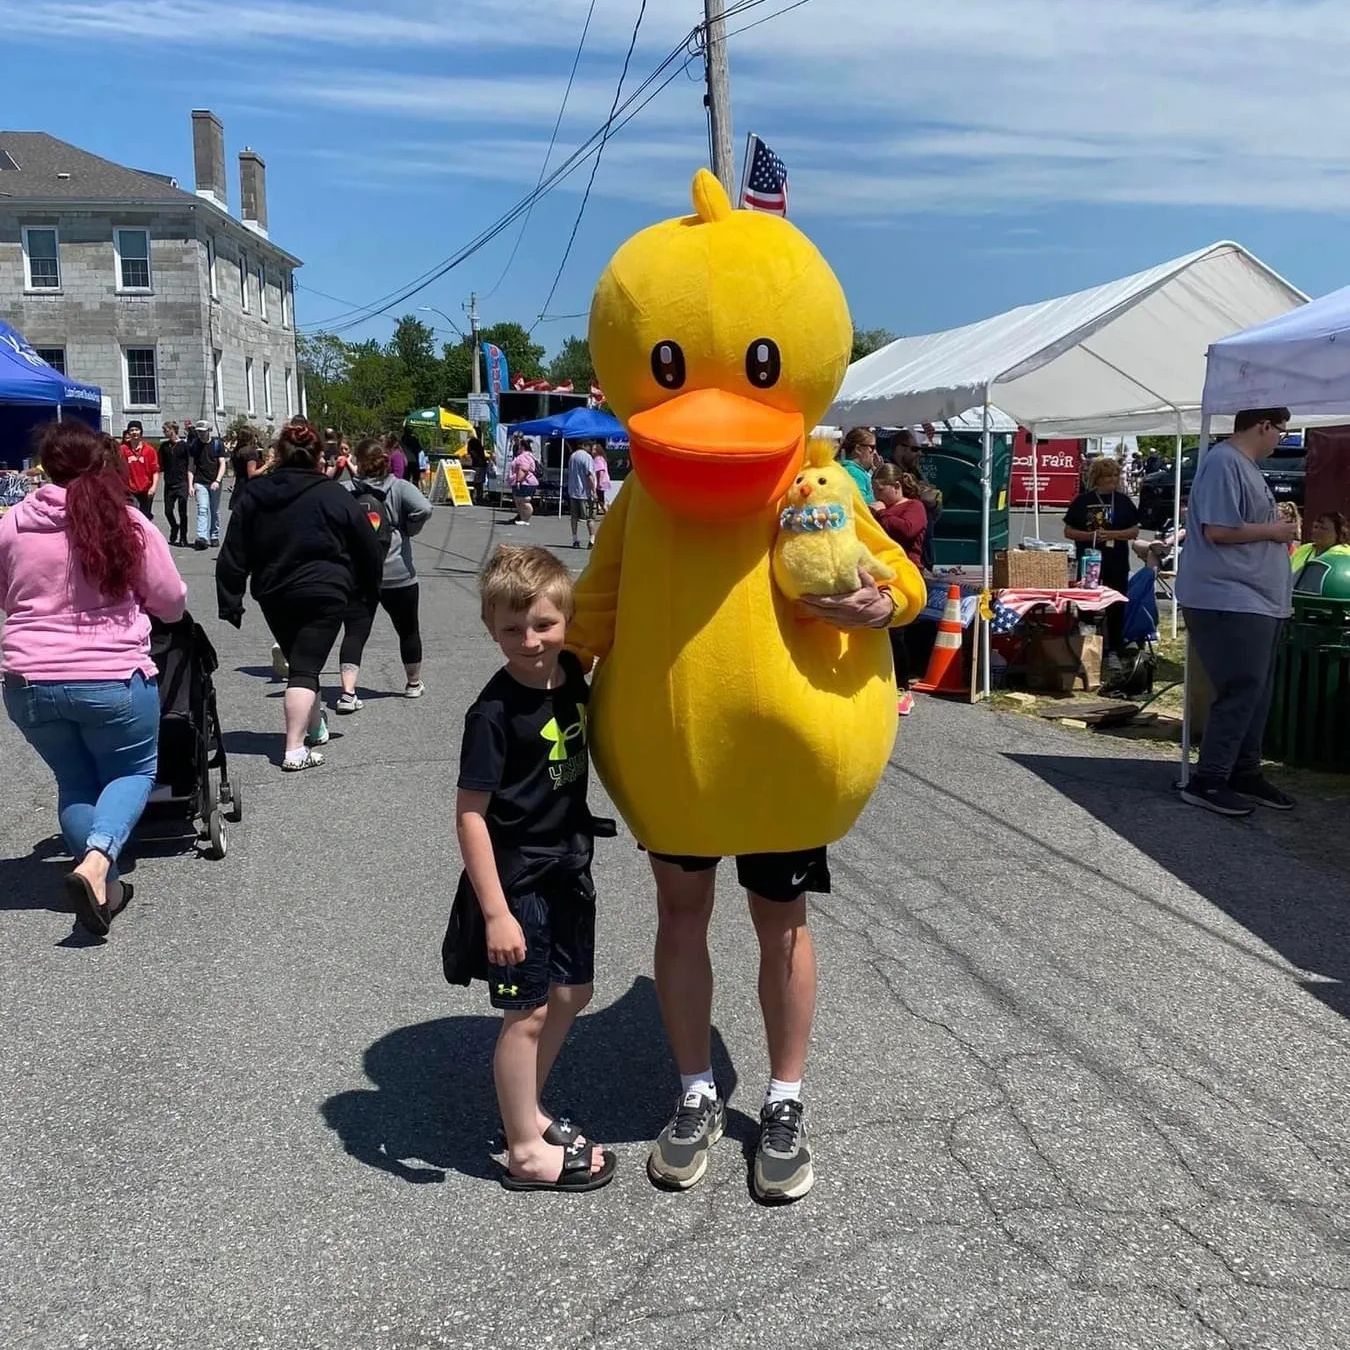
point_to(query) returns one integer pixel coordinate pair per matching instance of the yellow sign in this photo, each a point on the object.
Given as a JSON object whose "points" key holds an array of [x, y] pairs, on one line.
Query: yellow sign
{"points": [[458, 484], [449, 485]]}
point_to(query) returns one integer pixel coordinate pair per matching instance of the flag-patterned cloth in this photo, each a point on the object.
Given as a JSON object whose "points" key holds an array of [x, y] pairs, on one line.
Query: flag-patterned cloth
{"points": [[1005, 619], [766, 181], [1023, 602]]}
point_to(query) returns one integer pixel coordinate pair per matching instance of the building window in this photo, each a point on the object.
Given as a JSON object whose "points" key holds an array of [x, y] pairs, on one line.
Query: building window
{"points": [[287, 302], [211, 266], [41, 259], [132, 253], [267, 389], [55, 357], [290, 392], [248, 385], [218, 379], [243, 283], [140, 385], [262, 291]]}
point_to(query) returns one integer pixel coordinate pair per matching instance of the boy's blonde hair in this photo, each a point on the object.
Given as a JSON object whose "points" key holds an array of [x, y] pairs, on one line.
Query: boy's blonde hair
{"points": [[516, 577]]}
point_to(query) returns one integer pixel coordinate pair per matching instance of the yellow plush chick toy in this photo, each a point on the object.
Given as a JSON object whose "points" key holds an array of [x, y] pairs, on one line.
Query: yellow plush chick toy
{"points": [[818, 551], [721, 720]]}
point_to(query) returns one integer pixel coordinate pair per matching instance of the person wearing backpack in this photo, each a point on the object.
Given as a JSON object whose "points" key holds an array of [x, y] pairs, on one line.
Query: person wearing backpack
{"points": [[309, 553], [396, 511]]}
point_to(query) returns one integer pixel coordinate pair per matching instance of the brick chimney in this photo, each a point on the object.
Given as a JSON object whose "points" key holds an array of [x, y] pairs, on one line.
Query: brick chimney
{"points": [[208, 156], [253, 191]]}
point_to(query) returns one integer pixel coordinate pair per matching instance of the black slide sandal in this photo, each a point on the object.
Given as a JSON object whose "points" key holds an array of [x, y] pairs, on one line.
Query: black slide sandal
{"points": [[128, 895], [576, 1174], [89, 914]]}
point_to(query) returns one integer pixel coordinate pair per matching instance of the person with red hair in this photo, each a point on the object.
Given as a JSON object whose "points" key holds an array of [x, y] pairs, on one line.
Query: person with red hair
{"points": [[81, 574]]}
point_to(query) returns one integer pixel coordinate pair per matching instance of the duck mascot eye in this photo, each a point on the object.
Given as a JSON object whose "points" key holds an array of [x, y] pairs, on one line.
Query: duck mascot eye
{"points": [[724, 721]]}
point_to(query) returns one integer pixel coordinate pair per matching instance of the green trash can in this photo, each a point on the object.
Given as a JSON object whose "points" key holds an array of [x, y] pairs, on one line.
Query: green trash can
{"points": [[1309, 724]]}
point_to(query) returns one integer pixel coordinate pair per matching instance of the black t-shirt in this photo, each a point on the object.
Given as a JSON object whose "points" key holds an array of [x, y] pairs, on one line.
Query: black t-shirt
{"points": [[528, 748], [239, 462], [206, 457], [1105, 511], [174, 458]]}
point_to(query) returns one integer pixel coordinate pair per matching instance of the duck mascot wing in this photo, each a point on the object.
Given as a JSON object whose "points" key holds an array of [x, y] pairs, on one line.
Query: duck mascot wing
{"points": [[722, 721]]}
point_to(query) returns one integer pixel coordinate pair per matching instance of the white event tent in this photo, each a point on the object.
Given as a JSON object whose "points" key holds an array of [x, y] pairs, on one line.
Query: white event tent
{"points": [[1126, 357], [1299, 361]]}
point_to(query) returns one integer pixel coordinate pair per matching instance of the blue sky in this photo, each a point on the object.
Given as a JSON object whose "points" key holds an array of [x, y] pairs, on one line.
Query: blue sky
{"points": [[951, 157]]}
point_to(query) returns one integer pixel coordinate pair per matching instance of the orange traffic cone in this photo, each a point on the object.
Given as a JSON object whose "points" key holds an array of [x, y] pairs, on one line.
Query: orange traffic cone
{"points": [[944, 666]]}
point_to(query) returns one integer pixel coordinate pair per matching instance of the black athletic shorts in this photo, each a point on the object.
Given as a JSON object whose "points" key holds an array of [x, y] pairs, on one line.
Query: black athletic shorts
{"points": [[558, 919], [775, 876]]}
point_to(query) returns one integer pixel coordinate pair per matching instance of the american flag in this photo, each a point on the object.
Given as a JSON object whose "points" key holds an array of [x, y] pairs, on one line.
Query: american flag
{"points": [[766, 180]]}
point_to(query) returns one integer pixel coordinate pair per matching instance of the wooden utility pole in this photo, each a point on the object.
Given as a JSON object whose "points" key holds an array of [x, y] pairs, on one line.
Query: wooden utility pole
{"points": [[476, 384], [718, 97]]}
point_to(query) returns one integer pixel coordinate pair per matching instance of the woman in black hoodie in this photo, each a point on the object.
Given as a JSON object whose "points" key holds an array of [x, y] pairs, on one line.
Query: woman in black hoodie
{"points": [[310, 552]]}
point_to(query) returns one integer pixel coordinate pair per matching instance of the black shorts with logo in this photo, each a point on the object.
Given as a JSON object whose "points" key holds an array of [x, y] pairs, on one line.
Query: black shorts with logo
{"points": [[775, 876], [557, 916]]}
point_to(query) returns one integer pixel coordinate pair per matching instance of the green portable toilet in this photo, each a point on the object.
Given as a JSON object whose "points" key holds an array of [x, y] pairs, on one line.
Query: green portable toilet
{"points": [[954, 468]]}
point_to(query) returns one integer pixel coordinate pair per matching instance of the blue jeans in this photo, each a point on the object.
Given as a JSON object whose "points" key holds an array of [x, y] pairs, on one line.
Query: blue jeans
{"points": [[100, 738], [208, 512]]}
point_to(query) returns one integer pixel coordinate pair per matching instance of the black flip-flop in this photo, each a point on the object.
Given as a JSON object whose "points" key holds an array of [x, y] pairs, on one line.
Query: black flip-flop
{"points": [[576, 1174], [89, 914]]}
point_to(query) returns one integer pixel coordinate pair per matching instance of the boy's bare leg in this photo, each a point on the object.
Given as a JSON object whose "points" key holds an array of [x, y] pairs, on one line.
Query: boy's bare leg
{"points": [[565, 1002], [684, 978], [515, 1069], [787, 982]]}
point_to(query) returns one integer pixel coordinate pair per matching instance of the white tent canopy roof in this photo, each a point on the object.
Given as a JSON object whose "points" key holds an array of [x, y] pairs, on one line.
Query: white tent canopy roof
{"points": [[1128, 356], [1300, 360]]}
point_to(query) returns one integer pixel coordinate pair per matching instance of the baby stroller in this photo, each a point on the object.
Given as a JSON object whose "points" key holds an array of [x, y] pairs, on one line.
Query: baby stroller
{"points": [[190, 743]]}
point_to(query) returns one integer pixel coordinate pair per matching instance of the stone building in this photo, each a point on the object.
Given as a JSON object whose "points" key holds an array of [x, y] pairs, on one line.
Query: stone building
{"points": [[173, 306]]}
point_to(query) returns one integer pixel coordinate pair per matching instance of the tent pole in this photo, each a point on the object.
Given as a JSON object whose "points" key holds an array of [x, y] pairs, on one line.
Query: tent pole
{"points": [[1186, 681], [986, 494], [1035, 483], [1176, 514]]}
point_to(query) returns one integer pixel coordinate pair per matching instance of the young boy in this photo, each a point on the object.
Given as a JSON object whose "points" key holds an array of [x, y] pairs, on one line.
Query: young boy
{"points": [[527, 836]]}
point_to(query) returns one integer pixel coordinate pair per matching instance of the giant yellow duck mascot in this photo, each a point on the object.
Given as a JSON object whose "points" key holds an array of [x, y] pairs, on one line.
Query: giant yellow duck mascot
{"points": [[723, 721]]}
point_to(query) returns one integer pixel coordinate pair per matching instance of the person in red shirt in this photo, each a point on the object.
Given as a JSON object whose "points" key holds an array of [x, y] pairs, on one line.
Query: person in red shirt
{"points": [[142, 468], [903, 516]]}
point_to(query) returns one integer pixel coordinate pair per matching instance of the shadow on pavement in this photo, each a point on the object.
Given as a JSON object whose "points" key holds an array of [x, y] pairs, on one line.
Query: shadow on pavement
{"points": [[1241, 867], [433, 1109], [34, 881]]}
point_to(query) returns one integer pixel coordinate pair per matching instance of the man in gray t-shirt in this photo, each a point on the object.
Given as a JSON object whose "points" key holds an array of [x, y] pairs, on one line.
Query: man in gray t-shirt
{"points": [[581, 493], [1235, 586]]}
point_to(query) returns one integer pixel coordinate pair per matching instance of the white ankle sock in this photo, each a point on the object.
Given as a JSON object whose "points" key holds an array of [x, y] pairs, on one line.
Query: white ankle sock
{"points": [[698, 1082], [780, 1091], [296, 756]]}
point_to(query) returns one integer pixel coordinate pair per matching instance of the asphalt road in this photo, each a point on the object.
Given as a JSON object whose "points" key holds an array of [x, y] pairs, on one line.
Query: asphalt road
{"points": [[1081, 1073]]}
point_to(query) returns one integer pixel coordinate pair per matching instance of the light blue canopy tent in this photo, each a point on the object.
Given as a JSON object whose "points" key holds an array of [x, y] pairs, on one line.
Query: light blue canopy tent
{"points": [[32, 392]]}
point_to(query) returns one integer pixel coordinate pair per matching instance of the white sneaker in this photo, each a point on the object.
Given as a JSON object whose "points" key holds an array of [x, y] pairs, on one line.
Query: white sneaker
{"points": [[280, 666], [414, 690], [348, 703]]}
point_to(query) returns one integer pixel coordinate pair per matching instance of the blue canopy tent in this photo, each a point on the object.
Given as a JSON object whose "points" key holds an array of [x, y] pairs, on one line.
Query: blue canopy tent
{"points": [[577, 424], [33, 393]]}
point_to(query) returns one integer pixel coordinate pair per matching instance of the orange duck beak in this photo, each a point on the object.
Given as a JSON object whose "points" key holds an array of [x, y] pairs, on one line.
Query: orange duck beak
{"points": [[716, 455]]}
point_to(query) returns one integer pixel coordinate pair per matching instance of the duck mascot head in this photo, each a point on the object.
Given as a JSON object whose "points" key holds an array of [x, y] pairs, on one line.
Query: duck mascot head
{"points": [[723, 721], [721, 337]]}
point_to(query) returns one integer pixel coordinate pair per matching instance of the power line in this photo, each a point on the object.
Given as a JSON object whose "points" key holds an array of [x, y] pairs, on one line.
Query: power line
{"points": [[595, 164], [630, 109], [548, 154], [645, 94]]}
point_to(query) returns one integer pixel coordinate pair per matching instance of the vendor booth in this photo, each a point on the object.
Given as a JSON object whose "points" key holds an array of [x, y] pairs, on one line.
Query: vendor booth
{"points": [[577, 424], [1125, 357], [1299, 361], [32, 393]]}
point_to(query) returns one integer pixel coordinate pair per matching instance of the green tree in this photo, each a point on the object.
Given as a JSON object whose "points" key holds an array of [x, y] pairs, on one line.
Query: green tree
{"points": [[573, 362], [413, 346], [1166, 446], [869, 340]]}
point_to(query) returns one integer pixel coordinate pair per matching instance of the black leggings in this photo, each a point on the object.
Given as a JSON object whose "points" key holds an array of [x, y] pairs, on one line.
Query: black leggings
{"points": [[400, 604], [305, 631]]}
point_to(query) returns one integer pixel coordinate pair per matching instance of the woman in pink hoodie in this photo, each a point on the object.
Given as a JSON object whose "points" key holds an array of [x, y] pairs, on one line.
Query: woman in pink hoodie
{"points": [[81, 572]]}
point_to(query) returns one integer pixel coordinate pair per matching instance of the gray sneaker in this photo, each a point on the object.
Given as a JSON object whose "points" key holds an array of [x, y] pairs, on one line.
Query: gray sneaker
{"points": [[783, 1160], [679, 1158]]}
